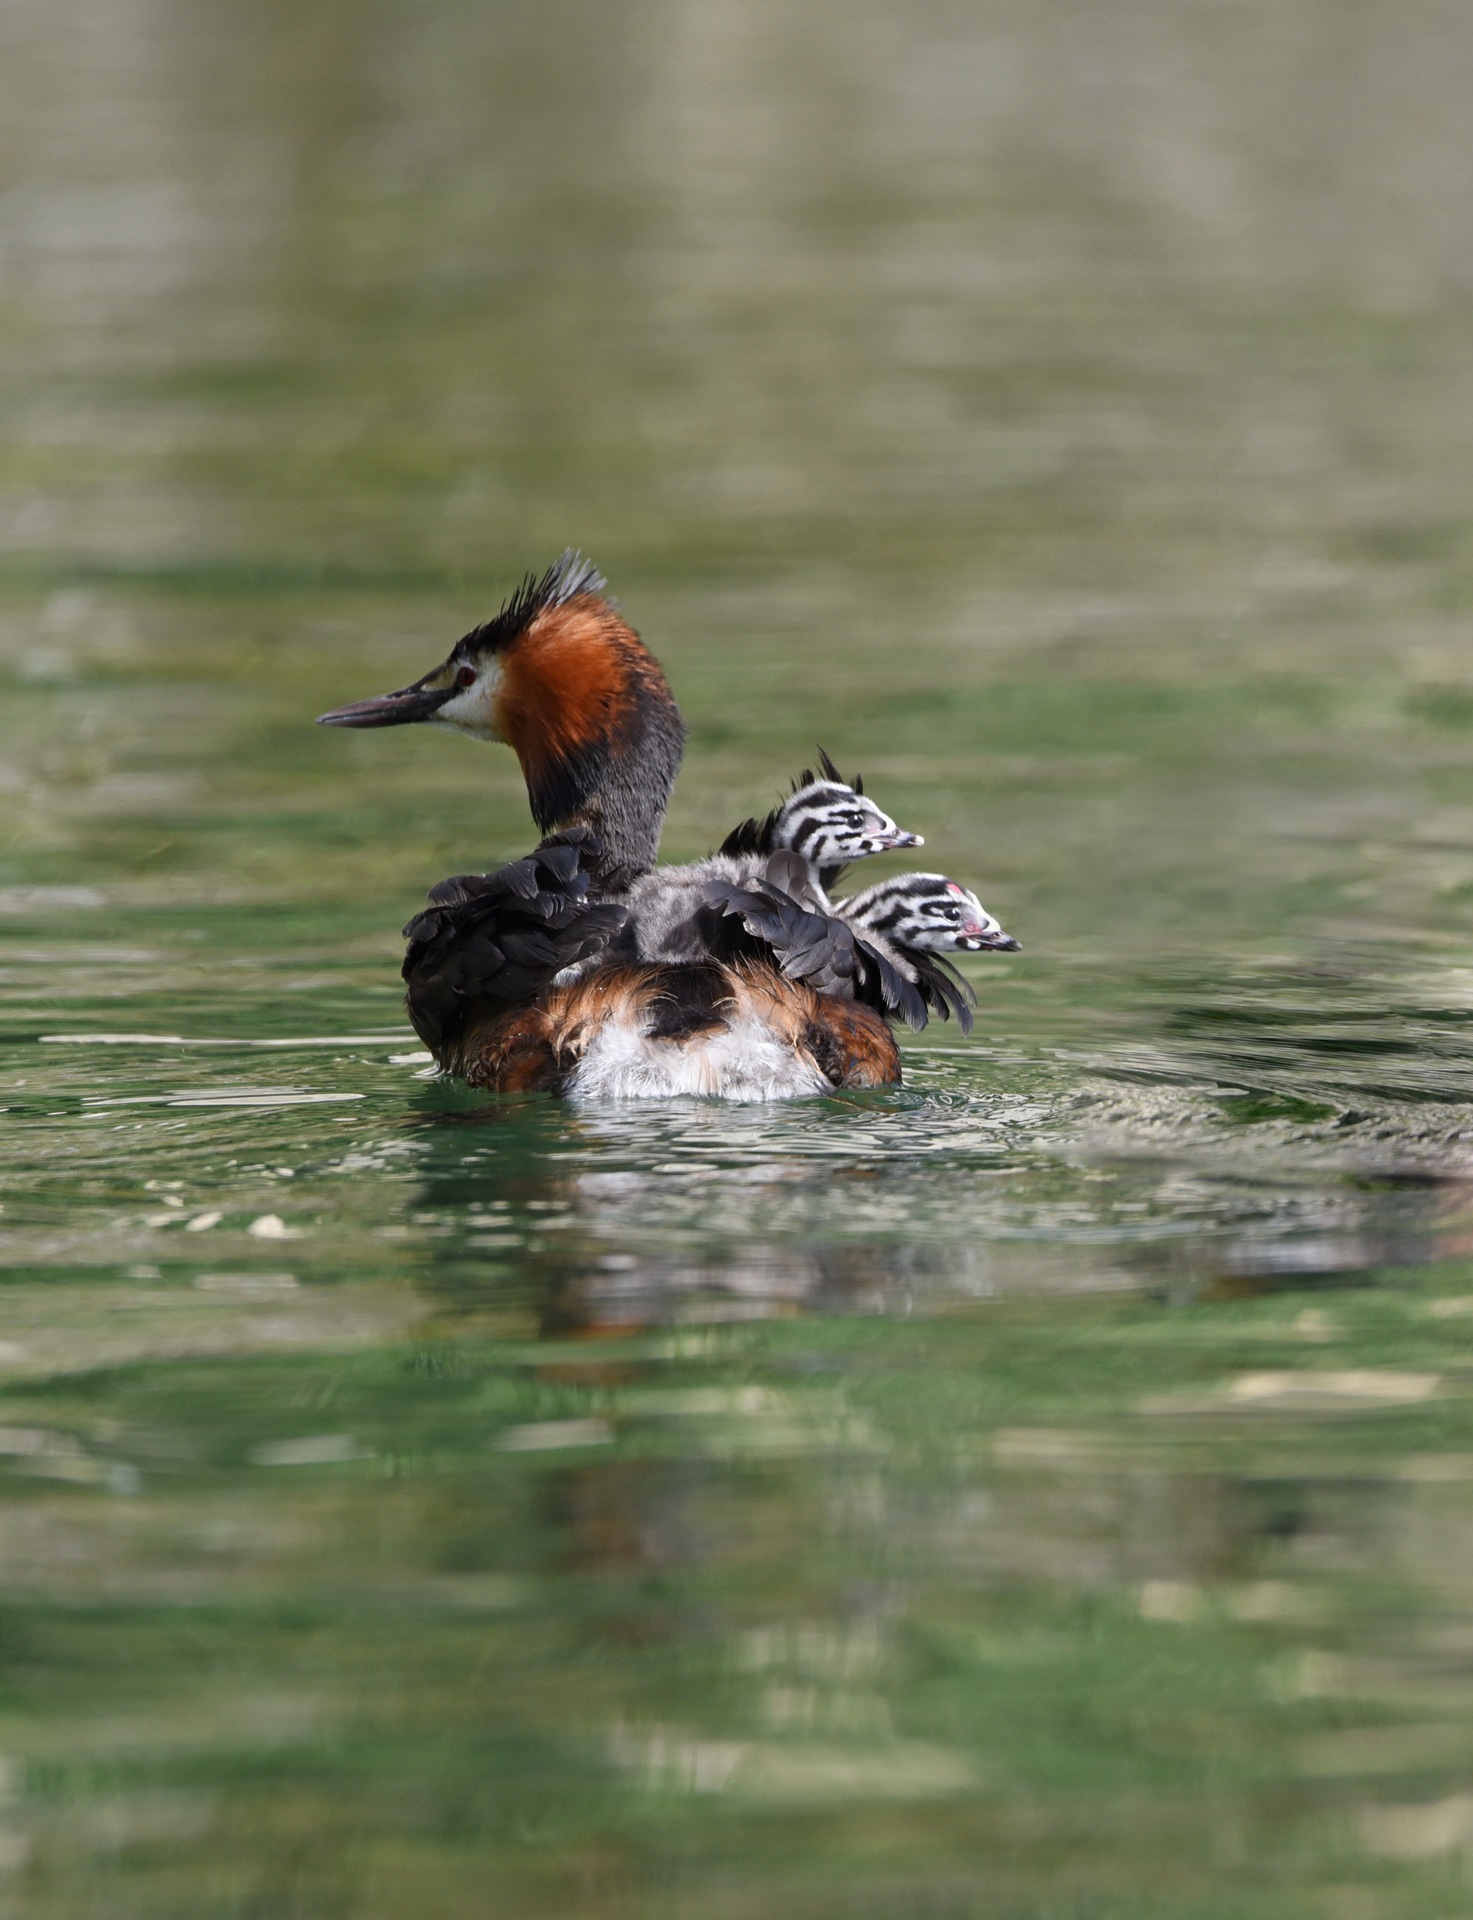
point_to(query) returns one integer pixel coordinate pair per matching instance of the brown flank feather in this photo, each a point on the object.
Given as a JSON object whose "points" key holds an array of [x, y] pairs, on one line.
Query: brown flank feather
{"points": [[537, 1049], [849, 1043]]}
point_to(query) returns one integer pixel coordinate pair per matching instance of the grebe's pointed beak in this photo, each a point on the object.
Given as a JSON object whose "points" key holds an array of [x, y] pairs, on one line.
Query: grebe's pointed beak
{"points": [[890, 842], [419, 702]]}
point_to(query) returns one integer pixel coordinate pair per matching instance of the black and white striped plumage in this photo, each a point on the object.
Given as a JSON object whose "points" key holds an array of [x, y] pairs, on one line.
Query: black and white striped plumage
{"points": [[776, 915], [827, 820], [823, 825], [926, 912]]}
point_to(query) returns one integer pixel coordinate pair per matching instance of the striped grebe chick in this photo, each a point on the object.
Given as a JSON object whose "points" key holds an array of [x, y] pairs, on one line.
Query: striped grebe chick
{"points": [[824, 824], [827, 821]]}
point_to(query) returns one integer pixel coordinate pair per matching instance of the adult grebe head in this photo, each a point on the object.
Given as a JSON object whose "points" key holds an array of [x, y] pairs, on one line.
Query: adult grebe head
{"points": [[567, 684]]}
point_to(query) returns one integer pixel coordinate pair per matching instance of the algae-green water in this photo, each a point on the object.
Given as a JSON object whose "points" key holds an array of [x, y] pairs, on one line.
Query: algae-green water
{"points": [[1043, 1492]]}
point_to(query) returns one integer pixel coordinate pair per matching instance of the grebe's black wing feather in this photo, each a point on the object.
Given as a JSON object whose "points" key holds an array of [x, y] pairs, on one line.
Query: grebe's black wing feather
{"points": [[942, 987], [761, 920], [501, 936], [892, 990]]}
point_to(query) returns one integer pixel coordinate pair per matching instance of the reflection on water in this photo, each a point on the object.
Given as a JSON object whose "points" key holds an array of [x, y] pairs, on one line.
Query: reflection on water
{"points": [[1045, 1489], [1049, 1463]]}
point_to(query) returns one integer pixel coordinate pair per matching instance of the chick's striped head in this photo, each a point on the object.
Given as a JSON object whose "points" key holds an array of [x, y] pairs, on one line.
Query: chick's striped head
{"points": [[828, 822], [927, 911]]}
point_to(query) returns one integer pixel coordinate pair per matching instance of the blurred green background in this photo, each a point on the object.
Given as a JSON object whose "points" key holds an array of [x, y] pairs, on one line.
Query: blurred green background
{"points": [[1042, 1493]]}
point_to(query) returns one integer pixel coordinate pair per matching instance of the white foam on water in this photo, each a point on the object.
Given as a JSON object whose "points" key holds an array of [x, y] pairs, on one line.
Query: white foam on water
{"points": [[226, 1097], [397, 1038]]}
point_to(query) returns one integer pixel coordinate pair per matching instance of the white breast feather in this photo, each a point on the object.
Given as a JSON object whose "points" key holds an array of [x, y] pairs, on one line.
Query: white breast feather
{"points": [[743, 1061]]}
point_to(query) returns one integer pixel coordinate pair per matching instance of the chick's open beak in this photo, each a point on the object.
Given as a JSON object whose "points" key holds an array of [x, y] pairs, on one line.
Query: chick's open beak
{"points": [[419, 702]]}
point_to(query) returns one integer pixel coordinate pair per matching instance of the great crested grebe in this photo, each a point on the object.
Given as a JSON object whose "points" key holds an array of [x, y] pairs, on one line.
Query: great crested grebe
{"points": [[526, 978]]}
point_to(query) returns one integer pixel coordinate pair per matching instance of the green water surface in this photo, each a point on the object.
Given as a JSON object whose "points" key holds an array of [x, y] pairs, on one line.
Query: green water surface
{"points": [[1044, 1492]]}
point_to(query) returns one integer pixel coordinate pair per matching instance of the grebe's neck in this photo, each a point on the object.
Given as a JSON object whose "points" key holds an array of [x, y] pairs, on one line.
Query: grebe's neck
{"points": [[590, 716], [627, 812]]}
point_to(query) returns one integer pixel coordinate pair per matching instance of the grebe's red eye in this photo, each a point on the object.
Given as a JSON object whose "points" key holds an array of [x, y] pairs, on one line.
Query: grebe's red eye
{"points": [[466, 677]]}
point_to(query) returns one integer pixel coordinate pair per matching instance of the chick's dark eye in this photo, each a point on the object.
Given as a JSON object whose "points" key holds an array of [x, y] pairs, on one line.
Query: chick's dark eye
{"points": [[466, 677]]}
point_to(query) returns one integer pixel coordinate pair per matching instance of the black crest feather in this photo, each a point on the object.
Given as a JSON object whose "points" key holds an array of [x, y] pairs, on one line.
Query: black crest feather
{"points": [[826, 771], [569, 576]]}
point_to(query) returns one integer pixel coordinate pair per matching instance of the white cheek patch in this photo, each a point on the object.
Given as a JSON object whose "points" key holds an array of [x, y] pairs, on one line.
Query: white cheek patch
{"points": [[469, 710]]}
